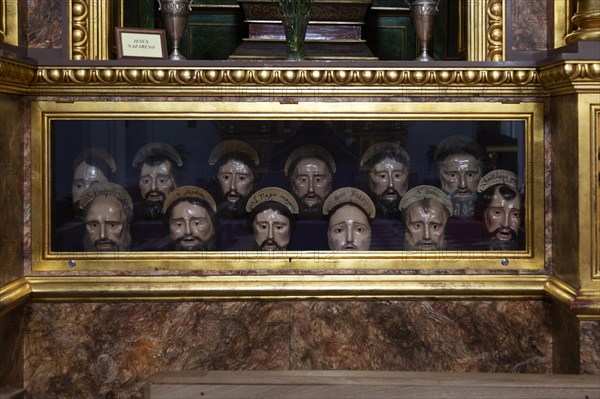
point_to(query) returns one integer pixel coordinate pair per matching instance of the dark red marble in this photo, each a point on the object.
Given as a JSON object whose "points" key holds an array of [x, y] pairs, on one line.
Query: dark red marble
{"points": [[529, 22], [44, 23], [109, 350]]}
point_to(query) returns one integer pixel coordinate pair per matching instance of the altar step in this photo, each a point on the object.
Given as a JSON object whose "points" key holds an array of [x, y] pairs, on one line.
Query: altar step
{"points": [[368, 385]]}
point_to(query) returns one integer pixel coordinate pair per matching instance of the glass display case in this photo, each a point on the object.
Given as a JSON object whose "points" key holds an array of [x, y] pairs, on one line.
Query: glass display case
{"points": [[459, 148]]}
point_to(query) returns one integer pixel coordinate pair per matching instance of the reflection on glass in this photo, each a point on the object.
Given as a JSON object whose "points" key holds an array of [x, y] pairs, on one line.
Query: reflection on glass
{"points": [[232, 160]]}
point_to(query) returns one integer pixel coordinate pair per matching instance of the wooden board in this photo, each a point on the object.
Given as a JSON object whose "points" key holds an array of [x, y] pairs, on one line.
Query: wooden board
{"points": [[367, 385]]}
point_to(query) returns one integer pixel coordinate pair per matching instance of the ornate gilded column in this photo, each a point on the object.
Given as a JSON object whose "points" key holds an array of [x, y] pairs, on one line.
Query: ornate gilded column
{"points": [[587, 19]]}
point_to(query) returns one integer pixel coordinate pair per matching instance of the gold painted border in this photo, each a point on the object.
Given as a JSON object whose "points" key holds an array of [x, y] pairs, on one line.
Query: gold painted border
{"points": [[530, 259], [90, 29], [9, 22], [14, 294], [314, 82], [568, 77], [585, 306], [562, 21]]}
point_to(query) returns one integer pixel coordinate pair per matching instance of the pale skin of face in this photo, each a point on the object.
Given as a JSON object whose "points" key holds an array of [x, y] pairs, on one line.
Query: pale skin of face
{"points": [[503, 215], [190, 221], [105, 219], [388, 175], [311, 177], [235, 179], [460, 174], [83, 176], [349, 230], [154, 179], [272, 225], [425, 228]]}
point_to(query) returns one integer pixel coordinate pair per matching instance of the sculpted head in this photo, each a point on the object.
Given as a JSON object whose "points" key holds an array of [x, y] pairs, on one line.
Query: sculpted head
{"points": [[385, 166], [459, 163], [425, 211], [272, 213], [310, 170], [107, 212], [502, 205], [190, 213], [158, 163], [90, 165], [237, 172], [349, 210]]}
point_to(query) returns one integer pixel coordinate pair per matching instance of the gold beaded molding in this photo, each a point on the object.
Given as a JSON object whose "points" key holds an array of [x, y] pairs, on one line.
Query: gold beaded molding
{"points": [[560, 78], [570, 77], [15, 77], [494, 34], [79, 34], [291, 82]]}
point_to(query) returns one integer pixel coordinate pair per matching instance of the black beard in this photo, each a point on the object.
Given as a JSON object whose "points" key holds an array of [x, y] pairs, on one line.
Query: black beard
{"points": [[310, 212], [496, 244], [90, 246], [233, 210], [261, 247], [387, 209], [153, 209], [464, 207], [210, 245]]}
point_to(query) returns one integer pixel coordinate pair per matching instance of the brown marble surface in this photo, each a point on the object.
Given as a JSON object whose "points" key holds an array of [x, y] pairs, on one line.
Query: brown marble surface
{"points": [[529, 25], [11, 349], [590, 347], [44, 23], [108, 350], [11, 186]]}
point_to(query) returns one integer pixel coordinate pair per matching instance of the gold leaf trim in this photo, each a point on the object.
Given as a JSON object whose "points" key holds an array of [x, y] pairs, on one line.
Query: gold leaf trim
{"points": [[79, 32], [14, 294], [495, 34], [568, 77]]}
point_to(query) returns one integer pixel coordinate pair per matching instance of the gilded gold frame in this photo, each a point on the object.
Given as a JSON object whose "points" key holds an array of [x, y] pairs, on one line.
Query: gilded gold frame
{"points": [[530, 259], [90, 22], [9, 22]]}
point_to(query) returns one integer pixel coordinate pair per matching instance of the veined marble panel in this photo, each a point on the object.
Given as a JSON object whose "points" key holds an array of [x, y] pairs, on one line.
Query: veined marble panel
{"points": [[44, 23], [529, 22], [109, 350]]}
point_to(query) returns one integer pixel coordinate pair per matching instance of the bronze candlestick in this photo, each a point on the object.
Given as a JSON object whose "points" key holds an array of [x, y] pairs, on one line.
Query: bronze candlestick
{"points": [[174, 15], [423, 14]]}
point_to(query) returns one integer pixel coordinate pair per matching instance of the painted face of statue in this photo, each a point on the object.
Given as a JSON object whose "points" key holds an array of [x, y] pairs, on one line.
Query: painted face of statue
{"points": [[106, 226], [502, 217], [349, 230], [156, 182], [83, 176], [388, 181], [425, 226], [190, 227], [236, 180], [272, 230], [311, 182], [459, 177]]}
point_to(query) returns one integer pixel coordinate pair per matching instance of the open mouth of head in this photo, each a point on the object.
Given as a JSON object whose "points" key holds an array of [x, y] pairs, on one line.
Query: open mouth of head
{"points": [[154, 197], [232, 196], [504, 235]]}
